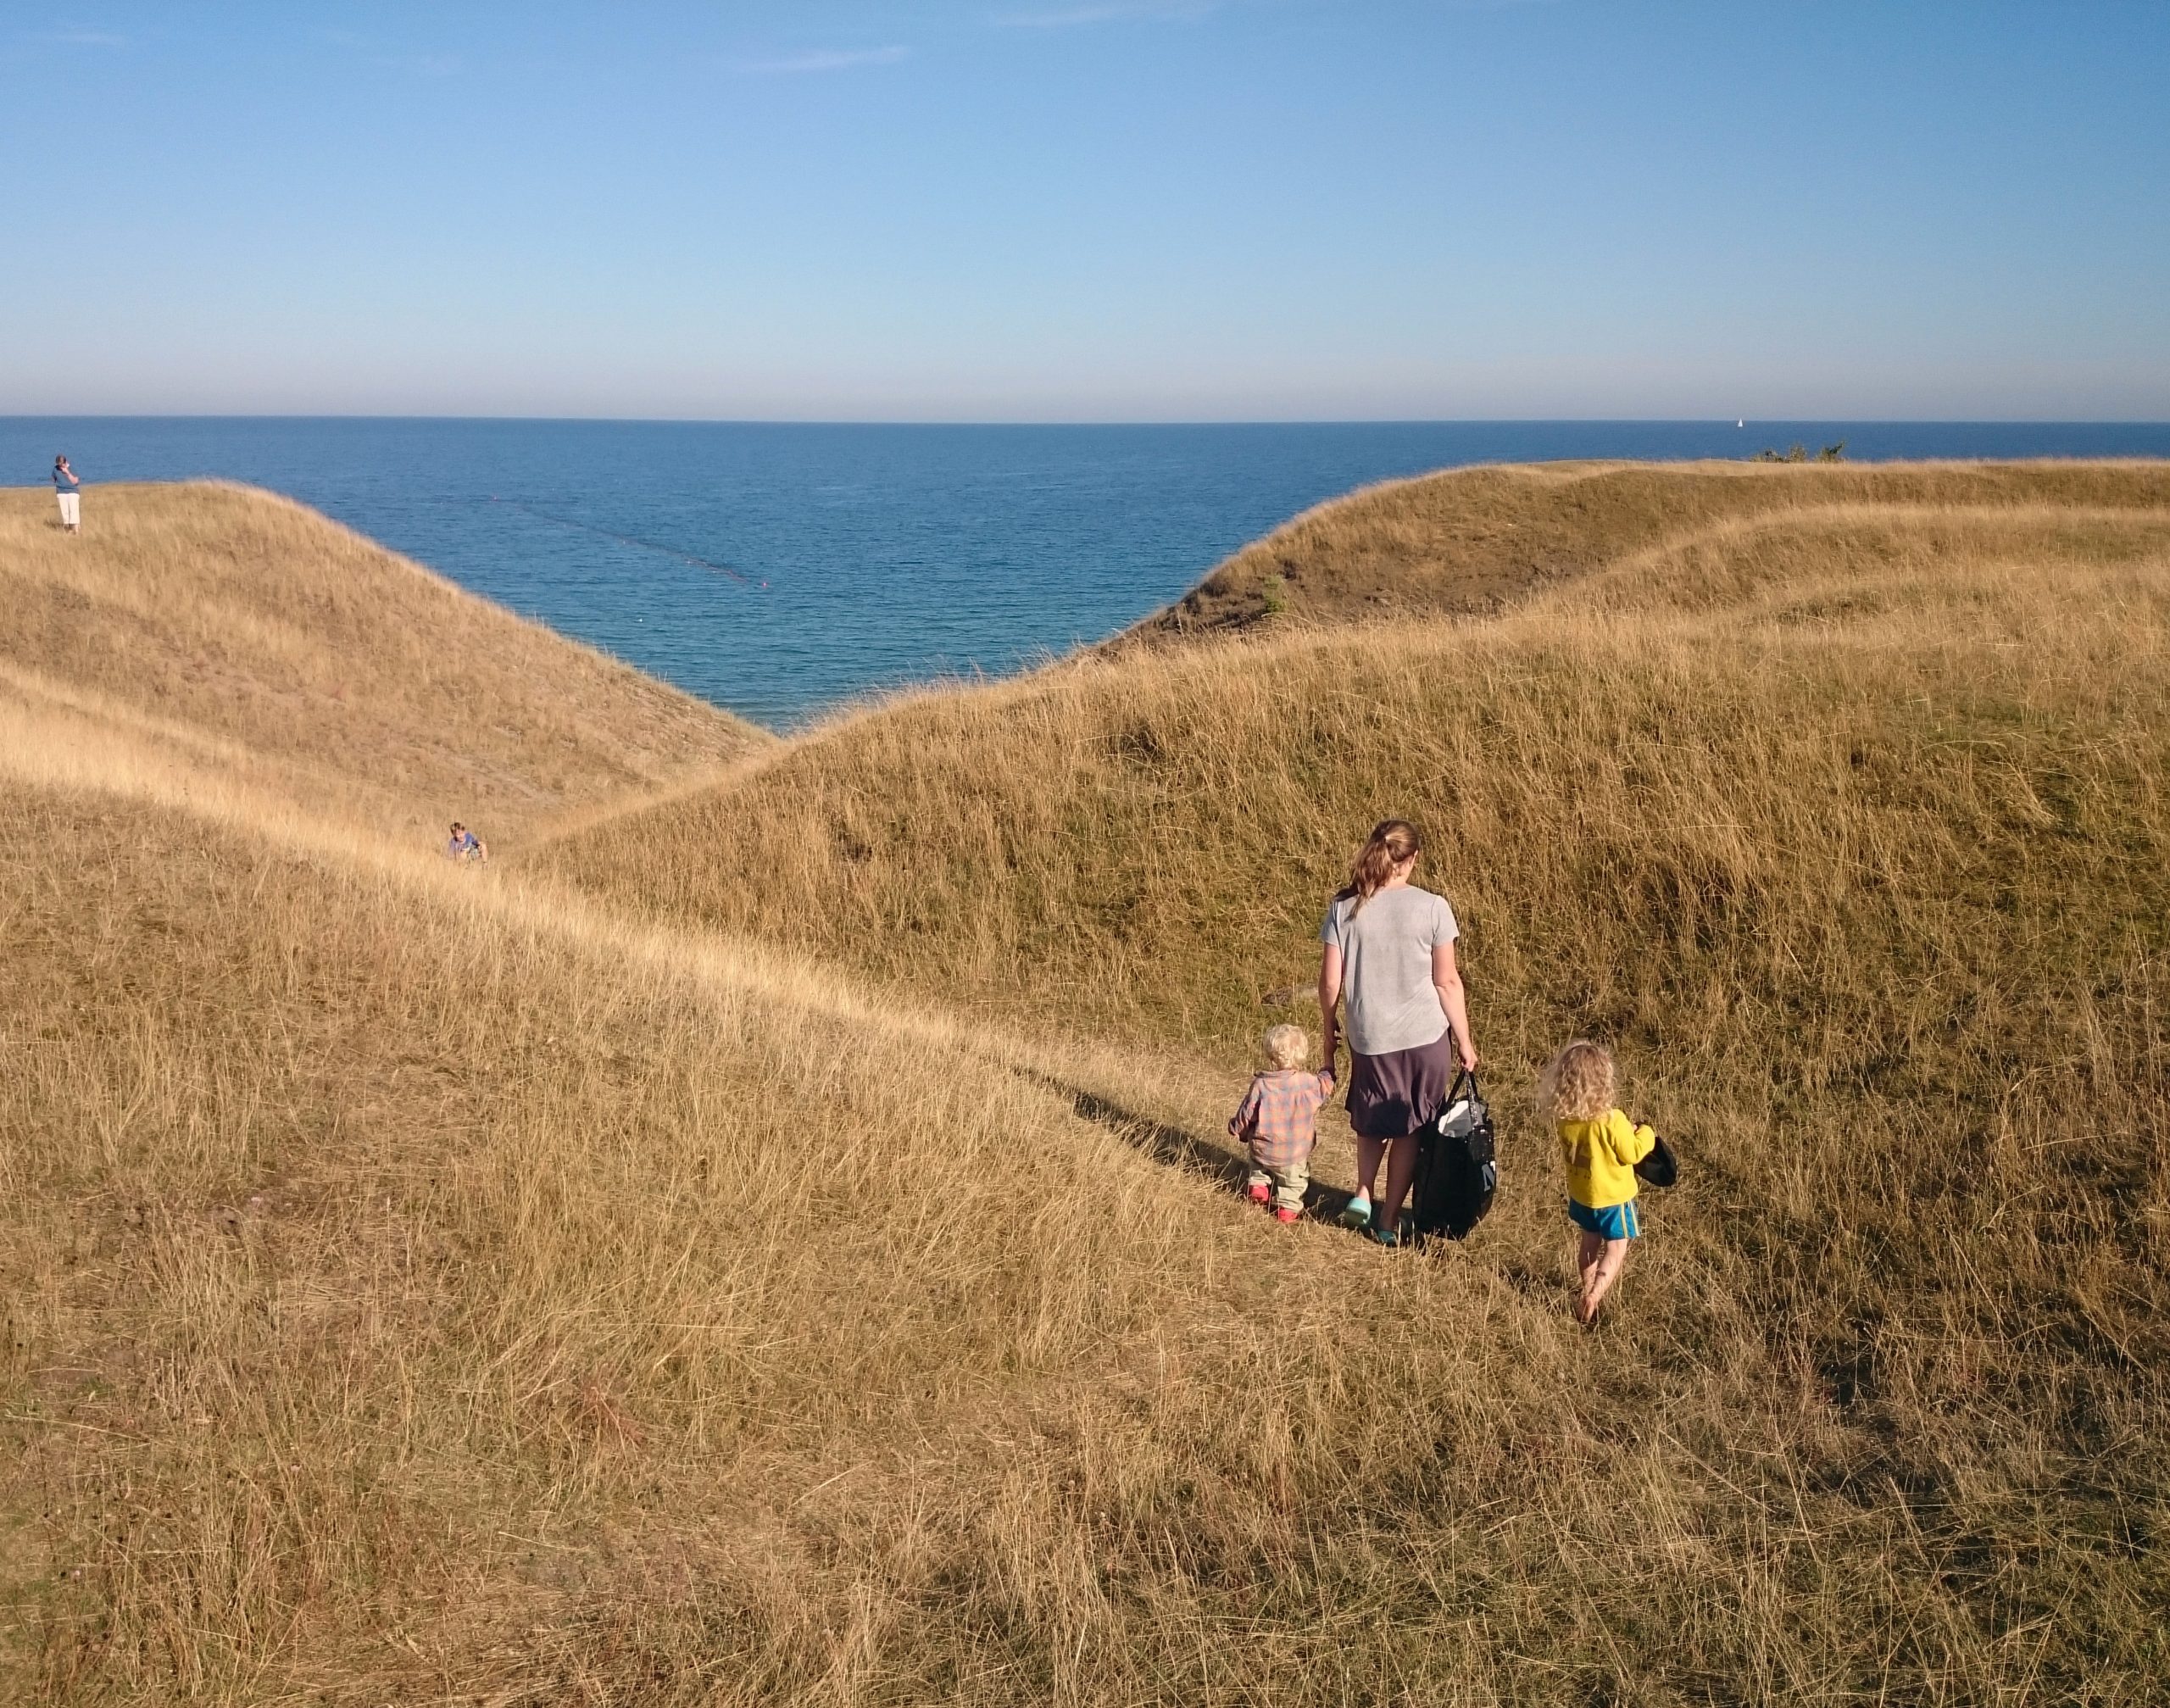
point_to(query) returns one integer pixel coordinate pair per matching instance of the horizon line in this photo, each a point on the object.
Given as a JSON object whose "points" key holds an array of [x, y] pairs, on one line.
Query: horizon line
{"points": [[1743, 421]]}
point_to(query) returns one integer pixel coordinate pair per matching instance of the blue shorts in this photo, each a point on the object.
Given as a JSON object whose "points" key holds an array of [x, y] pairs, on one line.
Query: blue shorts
{"points": [[1614, 1221]]}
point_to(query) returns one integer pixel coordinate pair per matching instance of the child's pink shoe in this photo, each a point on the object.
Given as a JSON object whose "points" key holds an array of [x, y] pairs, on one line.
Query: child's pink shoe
{"points": [[1286, 1215], [1262, 1193]]}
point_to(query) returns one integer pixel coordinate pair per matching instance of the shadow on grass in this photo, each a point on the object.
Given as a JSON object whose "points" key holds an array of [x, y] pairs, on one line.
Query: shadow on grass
{"points": [[1179, 1147]]}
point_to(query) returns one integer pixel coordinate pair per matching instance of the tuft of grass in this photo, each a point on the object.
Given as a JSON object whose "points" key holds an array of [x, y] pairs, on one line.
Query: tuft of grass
{"points": [[775, 1246], [1798, 452]]}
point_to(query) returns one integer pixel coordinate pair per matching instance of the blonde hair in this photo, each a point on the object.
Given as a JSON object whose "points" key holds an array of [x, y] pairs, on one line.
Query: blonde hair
{"points": [[1392, 841], [1287, 1046], [1578, 1083]]}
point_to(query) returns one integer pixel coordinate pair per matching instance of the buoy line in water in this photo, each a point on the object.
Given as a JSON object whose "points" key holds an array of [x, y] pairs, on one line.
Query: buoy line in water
{"points": [[736, 574]]}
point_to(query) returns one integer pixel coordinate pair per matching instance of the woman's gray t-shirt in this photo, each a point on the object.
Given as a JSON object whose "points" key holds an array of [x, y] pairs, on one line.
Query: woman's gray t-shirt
{"points": [[1386, 966]]}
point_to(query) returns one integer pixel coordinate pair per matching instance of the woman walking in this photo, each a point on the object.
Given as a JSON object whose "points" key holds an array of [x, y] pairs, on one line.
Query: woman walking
{"points": [[64, 486], [1390, 947]]}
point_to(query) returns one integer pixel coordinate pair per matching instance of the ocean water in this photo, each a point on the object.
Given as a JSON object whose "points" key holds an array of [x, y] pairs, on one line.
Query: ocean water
{"points": [[778, 570]]}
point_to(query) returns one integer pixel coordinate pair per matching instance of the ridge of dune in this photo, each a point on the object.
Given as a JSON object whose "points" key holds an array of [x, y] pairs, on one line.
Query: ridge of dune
{"points": [[1474, 540], [351, 676]]}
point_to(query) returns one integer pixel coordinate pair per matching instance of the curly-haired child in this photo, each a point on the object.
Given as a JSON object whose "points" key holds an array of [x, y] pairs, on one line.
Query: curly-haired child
{"points": [[1578, 1092], [1278, 1121]]}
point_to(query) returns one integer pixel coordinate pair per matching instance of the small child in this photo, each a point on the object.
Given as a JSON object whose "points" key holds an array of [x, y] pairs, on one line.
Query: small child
{"points": [[1600, 1146], [1278, 1122], [465, 847]]}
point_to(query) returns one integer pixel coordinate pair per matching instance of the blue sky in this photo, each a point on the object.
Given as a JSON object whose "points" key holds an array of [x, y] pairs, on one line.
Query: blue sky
{"points": [[1060, 210]]}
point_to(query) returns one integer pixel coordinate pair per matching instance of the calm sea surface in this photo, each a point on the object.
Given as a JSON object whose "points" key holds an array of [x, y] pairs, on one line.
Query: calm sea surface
{"points": [[777, 570]]}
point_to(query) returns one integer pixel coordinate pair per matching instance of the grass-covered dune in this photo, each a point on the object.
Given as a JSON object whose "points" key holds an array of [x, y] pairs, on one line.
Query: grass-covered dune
{"points": [[244, 640], [1694, 773], [1845, 822], [772, 1246], [1475, 539], [417, 1290]]}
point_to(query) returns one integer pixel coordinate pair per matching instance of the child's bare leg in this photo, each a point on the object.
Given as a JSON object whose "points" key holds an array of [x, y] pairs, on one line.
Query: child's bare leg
{"points": [[1586, 1257], [1609, 1266]]}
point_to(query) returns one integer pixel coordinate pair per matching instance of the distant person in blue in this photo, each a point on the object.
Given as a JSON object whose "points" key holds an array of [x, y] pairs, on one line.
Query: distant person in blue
{"points": [[465, 847], [65, 484]]}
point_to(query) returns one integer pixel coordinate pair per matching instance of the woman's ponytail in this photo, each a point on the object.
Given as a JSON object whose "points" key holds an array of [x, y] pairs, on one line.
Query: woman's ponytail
{"points": [[1392, 841]]}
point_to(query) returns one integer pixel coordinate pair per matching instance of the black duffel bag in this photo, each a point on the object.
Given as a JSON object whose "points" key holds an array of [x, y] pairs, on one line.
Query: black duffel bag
{"points": [[1457, 1167]]}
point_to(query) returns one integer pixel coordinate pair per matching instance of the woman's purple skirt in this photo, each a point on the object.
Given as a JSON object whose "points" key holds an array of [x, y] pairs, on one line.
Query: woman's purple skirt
{"points": [[1391, 1096]]}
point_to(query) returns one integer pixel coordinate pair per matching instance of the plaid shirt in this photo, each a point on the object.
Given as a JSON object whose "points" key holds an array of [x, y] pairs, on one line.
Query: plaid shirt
{"points": [[1279, 1116]]}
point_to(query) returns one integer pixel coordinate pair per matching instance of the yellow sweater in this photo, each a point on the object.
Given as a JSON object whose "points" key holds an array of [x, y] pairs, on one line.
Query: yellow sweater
{"points": [[1601, 1155]]}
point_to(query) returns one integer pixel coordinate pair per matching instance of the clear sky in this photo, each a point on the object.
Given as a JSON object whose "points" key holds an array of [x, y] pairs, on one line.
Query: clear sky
{"points": [[1087, 209]]}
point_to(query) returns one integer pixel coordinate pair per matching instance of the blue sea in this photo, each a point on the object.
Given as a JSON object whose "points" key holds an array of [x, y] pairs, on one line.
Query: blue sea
{"points": [[779, 570]]}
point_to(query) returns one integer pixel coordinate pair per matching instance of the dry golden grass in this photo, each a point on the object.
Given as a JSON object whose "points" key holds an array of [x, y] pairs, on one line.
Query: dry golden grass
{"points": [[1475, 540], [795, 1269], [1140, 841], [415, 1286], [232, 629]]}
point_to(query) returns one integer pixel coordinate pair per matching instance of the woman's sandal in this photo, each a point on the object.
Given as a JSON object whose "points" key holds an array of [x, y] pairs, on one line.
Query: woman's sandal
{"points": [[1355, 1214]]}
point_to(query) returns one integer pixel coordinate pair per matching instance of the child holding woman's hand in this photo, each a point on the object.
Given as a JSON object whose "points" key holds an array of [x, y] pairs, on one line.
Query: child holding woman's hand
{"points": [[1600, 1146]]}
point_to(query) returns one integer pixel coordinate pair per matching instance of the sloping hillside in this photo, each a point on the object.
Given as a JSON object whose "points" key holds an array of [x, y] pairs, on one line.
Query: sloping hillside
{"points": [[411, 1287], [1142, 842], [1847, 824], [418, 1289], [233, 633], [432, 1285], [1474, 540]]}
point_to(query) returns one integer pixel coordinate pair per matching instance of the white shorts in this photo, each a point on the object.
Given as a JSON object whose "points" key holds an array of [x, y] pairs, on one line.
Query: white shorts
{"points": [[71, 509]]}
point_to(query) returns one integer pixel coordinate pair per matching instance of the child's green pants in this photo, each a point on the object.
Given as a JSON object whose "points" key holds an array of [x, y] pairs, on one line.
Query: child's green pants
{"points": [[1288, 1183]]}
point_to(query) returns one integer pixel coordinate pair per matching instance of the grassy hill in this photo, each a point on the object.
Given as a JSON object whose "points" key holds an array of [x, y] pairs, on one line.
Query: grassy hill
{"points": [[1690, 749], [1475, 539], [774, 1245], [415, 1287], [238, 638]]}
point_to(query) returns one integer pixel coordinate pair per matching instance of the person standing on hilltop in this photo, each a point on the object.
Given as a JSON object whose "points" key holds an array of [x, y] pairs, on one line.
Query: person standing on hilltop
{"points": [[65, 487], [1390, 946]]}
